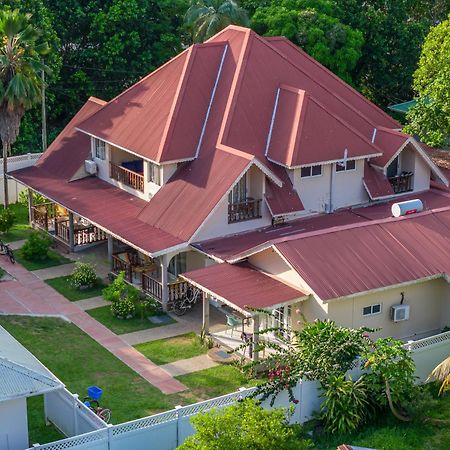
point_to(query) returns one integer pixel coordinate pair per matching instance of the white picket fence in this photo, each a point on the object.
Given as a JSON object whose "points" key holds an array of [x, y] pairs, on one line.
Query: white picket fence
{"points": [[168, 430], [16, 163]]}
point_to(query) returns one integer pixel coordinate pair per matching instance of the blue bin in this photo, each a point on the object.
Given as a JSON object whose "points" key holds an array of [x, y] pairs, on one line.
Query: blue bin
{"points": [[94, 392]]}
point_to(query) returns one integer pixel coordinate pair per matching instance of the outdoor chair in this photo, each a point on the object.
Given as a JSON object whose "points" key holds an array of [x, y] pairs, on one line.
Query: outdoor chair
{"points": [[233, 322]]}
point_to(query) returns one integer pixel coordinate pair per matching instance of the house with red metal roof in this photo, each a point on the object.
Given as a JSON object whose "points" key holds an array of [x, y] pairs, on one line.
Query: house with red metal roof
{"points": [[245, 168]]}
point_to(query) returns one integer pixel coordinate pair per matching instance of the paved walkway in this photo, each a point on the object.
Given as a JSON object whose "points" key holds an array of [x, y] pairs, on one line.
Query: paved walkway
{"points": [[91, 303], [30, 295], [184, 366], [56, 271]]}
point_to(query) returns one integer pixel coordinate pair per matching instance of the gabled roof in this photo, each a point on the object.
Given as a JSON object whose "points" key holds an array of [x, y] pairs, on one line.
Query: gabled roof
{"points": [[390, 141], [376, 183], [18, 381], [295, 139]]}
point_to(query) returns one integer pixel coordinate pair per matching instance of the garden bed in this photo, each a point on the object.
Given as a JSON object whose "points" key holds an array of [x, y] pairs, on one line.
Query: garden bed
{"points": [[64, 287], [164, 351], [53, 259], [123, 326]]}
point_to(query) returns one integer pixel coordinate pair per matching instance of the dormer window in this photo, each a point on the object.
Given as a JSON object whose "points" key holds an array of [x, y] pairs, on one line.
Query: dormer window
{"points": [[239, 192], [346, 166], [311, 171], [100, 149]]}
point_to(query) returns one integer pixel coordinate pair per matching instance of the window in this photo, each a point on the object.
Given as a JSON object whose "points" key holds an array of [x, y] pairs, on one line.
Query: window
{"points": [[153, 173], [99, 149], [371, 310], [239, 192], [282, 319], [311, 171], [349, 165]]}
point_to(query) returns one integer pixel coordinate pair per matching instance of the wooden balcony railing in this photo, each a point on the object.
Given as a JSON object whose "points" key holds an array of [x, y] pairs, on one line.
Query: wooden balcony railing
{"points": [[127, 177], [402, 183], [248, 210], [82, 235], [177, 290], [152, 287], [43, 214], [119, 265]]}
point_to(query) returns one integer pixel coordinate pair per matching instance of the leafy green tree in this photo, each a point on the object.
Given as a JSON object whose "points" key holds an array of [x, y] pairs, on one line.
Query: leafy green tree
{"points": [[393, 36], [430, 118], [313, 25], [21, 49], [245, 426], [205, 18]]}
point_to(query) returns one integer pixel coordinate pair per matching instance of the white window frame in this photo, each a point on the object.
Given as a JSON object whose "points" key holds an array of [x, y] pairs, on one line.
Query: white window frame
{"points": [[310, 171], [345, 169], [154, 174], [99, 150], [239, 192], [371, 313]]}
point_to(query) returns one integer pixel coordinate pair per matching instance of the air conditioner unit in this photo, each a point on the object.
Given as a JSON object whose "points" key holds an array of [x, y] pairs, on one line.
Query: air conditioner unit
{"points": [[90, 166], [399, 313]]}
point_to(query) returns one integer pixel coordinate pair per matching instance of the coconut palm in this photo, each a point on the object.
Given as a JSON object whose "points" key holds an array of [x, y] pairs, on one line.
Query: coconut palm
{"points": [[441, 373], [21, 50], [207, 17]]}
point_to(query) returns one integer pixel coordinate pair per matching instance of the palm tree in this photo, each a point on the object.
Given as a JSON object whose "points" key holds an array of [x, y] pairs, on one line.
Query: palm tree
{"points": [[20, 82], [441, 373], [207, 17]]}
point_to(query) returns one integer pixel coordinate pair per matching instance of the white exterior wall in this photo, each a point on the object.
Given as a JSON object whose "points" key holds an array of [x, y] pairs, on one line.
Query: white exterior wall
{"points": [[347, 188], [13, 425]]}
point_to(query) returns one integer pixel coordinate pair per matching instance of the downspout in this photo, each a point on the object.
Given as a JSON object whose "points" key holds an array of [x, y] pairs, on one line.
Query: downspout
{"points": [[330, 200]]}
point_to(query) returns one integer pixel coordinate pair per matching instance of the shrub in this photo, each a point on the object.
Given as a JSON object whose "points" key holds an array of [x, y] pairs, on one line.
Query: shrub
{"points": [[37, 198], [346, 405], [116, 290], [123, 308], [83, 275], [36, 246], [7, 218]]}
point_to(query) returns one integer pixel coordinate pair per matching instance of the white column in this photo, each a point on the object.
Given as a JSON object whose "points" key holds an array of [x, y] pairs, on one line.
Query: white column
{"points": [[110, 250], [30, 207], [164, 281], [205, 313], [71, 232], [255, 337]]}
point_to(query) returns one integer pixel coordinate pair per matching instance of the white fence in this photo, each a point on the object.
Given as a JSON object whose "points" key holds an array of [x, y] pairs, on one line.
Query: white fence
{"points": [[71, 416], [166, 431], [16, 163]]}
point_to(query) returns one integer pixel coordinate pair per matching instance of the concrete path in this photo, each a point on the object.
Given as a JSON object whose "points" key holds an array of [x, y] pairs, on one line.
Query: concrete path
{"points": [[91, 303], [30, 295], [190, 365], [53, 272], [17, 244]]}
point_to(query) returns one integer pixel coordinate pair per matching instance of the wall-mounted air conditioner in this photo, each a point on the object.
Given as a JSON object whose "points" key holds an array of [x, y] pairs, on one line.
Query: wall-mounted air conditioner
{"points": [[90, 166], [399, 313]]}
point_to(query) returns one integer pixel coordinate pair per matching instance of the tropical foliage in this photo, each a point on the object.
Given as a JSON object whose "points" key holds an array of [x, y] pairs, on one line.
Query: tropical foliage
{"points": [[441, 373], [430, 118], [36, 246], [83, 275], [244, 426]]}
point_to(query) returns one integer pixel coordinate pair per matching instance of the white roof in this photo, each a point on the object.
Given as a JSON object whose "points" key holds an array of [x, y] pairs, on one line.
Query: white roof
{"points": [[17, 381]]}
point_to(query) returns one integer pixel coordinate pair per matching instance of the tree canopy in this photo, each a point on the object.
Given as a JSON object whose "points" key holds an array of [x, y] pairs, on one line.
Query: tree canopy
{"points": [[430, 118]]}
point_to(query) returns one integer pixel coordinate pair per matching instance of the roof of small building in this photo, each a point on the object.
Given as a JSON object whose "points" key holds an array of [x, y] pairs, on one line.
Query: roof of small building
{"points": [[242, 286], [376, 183]]}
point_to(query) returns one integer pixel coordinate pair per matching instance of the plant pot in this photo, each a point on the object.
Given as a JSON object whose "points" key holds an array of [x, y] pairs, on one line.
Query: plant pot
{"points": [[85, 287]]}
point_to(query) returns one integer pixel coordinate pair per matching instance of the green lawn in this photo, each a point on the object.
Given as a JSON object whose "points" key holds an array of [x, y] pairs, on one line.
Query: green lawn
{"points": [[121, 326], [39, 432], [164, 351], [53, 259], [80, 362], [64, 287], [2, 272], [21, 228]]}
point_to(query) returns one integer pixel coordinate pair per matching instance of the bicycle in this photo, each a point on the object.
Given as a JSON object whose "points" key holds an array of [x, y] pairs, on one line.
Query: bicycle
{"points": [[6, 250], [94, 405], [186, 302]]}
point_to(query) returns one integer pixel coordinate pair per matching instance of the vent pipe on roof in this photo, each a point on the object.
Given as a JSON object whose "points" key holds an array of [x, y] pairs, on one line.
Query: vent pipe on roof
{"points": [[272, 121], [407, 207], [374, 135]]}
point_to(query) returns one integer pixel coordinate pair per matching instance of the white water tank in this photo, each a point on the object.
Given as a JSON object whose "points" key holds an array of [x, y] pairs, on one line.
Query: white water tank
{"points": [[407, 207]]}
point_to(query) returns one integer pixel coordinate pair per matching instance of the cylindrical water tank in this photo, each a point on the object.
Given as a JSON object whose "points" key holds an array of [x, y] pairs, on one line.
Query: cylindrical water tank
{"points": [[407, 207]]}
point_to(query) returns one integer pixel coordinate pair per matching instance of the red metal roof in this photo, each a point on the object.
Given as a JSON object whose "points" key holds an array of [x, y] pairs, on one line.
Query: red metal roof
{"points": [[376, 183], [242, 286], [371, 256], [390, 142]]}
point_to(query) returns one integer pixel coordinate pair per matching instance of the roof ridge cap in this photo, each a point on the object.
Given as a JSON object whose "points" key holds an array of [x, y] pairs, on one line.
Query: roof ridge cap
{"points": [[235, 151], [97, 100]]}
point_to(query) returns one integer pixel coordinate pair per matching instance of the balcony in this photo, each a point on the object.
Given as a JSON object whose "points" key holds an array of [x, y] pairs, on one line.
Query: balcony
{"points": [[402, 183], [248, 210], [82, 234], [126, 176]]}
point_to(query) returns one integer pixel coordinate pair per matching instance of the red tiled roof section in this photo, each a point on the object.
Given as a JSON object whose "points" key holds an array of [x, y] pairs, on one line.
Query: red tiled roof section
{"points": [[295, 140], [372, 256], [439, 156], [389, 141], [66, 154], [376, 184], [243, 286]]}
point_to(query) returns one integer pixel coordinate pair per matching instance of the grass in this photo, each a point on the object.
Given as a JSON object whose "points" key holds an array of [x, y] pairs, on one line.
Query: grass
{"points": [[2, 272], [79, 362], [165, 351], [53, 259], [121, 326], [64, 287], [21, 228], [38, 430], [387, 433]]}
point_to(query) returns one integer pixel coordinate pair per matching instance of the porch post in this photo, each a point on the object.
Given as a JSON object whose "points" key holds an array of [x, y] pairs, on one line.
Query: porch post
{"points": [[30, 207], [71, 232], [110, 250], [255, 337], [164, 280], [205, 313]]}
